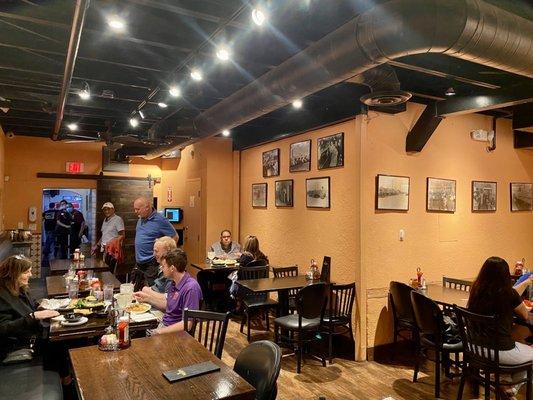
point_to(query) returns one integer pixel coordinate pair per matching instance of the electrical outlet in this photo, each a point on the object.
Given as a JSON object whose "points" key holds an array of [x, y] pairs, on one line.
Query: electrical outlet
{"points": [[401, 236]]}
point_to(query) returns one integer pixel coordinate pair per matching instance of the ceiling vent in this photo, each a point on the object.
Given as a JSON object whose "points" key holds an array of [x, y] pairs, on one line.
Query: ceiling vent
{"points": [[384, 87], [385, 98]]}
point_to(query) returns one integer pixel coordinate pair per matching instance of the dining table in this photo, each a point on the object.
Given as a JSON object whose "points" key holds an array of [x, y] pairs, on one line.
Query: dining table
{"points": [[137, 372], [215, 267], [60, 266], [55, 285]]}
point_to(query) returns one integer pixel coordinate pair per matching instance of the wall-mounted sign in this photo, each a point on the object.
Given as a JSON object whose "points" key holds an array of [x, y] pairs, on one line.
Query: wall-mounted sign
{"points": [[75, 167]]}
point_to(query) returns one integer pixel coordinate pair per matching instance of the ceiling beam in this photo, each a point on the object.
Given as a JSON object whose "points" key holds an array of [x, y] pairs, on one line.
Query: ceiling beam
{"points": [[523, 117], [419, 135], [509, 96]]}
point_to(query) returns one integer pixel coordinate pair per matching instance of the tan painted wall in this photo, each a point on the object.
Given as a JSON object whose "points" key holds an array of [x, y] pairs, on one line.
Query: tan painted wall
{"points": [[2, 167], [451, 244]]}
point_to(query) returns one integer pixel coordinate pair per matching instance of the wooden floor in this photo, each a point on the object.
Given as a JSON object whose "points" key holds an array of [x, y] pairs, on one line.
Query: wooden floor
{"points": [[349, 379]]}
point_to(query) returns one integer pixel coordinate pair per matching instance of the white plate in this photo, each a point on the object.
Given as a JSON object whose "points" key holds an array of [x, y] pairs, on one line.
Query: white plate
{"points": [[83, 320]]}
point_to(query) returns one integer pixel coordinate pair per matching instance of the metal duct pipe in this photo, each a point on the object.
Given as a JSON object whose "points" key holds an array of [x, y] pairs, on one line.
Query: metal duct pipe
{"points": [[72, 52], [471, 30]]}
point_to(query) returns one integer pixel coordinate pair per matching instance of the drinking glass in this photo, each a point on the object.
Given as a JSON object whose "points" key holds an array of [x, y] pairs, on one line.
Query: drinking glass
{"points": [[108, 293], [123, 299], [73, 289], [126, 288], [211, 256]]}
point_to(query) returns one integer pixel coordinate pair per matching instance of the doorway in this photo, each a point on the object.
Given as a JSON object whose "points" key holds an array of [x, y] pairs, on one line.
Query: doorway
{"points": [[81, 217]]}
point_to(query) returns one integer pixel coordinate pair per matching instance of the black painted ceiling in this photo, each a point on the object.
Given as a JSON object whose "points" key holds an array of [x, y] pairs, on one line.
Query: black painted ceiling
{"points": [[166, 39]]}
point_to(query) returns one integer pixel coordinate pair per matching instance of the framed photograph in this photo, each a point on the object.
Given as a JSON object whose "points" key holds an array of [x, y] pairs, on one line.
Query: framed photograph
{"points": [[440, 195], [284, 193], [317, 192], [259, 194], [521, 196], [300, 156], [271, 163], [331, 151], [392, 192], [483, 196]]}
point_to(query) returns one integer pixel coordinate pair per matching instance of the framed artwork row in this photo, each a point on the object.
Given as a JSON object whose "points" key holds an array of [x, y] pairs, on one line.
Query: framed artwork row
{"points": [[317, 193]]}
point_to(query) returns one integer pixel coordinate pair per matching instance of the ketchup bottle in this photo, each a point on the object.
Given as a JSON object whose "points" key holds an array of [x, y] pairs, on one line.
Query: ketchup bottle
{"points": [[124, 332]]}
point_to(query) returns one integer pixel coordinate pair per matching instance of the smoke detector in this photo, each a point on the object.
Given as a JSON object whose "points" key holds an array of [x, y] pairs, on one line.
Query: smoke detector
{"points": [[385, 98]]}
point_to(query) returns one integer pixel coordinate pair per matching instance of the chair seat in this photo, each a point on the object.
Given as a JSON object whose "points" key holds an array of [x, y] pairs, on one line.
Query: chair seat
{"points": [[335, 320], [260, 302], [291, 322], [451, 347]]}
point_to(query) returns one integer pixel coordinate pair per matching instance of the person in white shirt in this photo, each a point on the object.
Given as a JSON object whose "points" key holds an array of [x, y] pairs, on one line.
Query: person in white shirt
{"points": [[112, 227]]}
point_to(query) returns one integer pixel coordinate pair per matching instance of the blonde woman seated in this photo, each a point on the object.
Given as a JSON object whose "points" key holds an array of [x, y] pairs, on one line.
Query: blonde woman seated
{"points": [[251, 252]]}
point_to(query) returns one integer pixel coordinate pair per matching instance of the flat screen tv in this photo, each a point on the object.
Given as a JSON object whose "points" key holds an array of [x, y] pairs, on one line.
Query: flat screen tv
{"points": [[174, 214]]}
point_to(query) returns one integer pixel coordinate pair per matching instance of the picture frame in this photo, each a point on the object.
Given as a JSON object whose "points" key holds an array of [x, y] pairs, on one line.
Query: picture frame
{"points": [[300, 156], [521, 196], [271, 163], [284, 193], [484, 196], [259, 195], [392, 192], [331, 151], [440, 195], [317, 192]]}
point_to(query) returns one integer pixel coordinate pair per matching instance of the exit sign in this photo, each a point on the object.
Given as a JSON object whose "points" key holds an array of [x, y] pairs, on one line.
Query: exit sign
{"points": [[74, 167]]}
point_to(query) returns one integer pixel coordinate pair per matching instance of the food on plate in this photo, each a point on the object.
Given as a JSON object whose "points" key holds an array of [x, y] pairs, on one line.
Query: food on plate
{"points": [[138, 308], [54, 304], [87, 302], [219, 262], [230, 262], [528, 303], [82, 311]]}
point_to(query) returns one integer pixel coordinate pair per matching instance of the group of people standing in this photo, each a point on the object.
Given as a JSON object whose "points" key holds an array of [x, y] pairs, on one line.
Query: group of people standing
{"points": [[64, 228]]}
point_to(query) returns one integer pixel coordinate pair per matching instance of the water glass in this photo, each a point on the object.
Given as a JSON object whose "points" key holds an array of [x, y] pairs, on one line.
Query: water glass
{"points": [[123, 300], [73, 289], [211, 256], [126, 288], [108, 293]]}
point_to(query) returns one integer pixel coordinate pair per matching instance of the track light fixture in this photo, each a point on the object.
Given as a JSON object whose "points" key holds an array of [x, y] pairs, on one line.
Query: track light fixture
{"points": [[450, 92]]}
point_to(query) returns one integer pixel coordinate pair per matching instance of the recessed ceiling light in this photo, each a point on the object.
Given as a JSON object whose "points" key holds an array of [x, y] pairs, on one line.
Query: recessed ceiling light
{"points": [[225, 132], [297, 103], [116, 23], [258, 16], [134, 122], [84, 94], [72, 126], [196, 75], [162, 105], [223, 53], [174, 91], [450, 92]]}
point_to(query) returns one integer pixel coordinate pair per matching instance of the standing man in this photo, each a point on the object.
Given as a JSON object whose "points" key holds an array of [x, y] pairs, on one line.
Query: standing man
{"points": [[226, 248], [49, 223], [77, 227], [150, 226], [112, 227], [63, 221]]}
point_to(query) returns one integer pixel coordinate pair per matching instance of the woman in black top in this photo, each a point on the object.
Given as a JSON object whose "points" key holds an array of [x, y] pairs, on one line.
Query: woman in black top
{"points": [[493, 294]]}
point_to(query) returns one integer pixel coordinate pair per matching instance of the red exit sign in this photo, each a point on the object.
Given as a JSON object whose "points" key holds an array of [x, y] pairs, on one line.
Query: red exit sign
{"points": [[74, 167]]}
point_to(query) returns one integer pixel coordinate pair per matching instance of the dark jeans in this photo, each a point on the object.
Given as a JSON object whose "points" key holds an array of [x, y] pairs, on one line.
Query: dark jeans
{"points": [[144, 274], [62, 239], [49, 243]]}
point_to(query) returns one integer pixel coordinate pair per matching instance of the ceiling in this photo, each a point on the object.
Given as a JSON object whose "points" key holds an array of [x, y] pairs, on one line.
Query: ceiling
{"points": [[164, 40]]}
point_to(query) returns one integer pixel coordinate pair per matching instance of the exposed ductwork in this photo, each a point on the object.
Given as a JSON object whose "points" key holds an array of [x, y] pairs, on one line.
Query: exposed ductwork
{"points": [[471, 30]]}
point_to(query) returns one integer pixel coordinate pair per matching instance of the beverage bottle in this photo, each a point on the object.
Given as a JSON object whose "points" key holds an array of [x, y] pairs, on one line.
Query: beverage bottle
{"points": [[76, 254], [124, 332]]}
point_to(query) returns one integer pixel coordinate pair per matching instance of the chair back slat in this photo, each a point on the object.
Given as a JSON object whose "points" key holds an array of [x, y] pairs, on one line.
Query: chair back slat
{"points": [[340, 301], [209, 328], [249, 273], [400, 295], [257, 263], [283, 272], [454, 283]]}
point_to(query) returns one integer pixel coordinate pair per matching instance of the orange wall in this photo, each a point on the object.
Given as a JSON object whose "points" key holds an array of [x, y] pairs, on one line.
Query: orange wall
{"points": [[452, 244], [2, 166]]}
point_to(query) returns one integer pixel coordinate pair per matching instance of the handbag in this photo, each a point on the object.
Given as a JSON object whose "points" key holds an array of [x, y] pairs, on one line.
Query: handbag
{"points": [[18, 356]]}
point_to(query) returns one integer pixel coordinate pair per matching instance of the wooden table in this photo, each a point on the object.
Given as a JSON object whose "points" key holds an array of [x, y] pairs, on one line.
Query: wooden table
{"points": [[136, 373], [218, 268], [93, 328], [55, 285], [59, 267], [446, 296]]}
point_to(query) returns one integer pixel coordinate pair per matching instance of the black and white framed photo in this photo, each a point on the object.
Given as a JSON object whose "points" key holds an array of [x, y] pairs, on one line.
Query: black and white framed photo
{"points": [[317, 192], [392, 193], [331, 151], [271, 163], [284, 193], [521, 196], [300, 156], [259, 194], [440, 195], [483, 196]]}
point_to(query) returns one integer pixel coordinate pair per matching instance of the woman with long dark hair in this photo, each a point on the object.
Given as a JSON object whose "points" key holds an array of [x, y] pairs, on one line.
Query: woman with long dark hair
{"points": [[493, 294]]}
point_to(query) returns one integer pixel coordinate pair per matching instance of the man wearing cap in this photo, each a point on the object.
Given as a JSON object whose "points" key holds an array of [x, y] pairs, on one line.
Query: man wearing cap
{"points": [[112, 227]]}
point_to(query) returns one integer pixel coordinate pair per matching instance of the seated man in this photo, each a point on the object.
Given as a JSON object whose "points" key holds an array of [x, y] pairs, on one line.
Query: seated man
{"points": [[162, 246], [183, 292], [226, 248]]}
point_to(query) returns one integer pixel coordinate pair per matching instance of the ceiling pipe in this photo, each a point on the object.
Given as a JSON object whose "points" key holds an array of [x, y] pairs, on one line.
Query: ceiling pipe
{"points": [[72, 52], [471, 30]]}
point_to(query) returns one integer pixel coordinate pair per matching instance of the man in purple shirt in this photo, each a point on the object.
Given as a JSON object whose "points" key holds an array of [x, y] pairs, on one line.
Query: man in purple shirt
{"points": [[184, 292]]}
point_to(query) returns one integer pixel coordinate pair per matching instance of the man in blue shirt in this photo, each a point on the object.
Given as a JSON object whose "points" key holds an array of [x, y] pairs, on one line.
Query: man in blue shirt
{"points": [[150, 226]]}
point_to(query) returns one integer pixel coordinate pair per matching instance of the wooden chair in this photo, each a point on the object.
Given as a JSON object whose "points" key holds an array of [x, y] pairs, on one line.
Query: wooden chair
{"points": [[402, 311], [255, 301], [430, 323], [208, 327], [459, 284], [338, 317], [257, 263], [325, 273], [282, 272], [481, 354]]}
